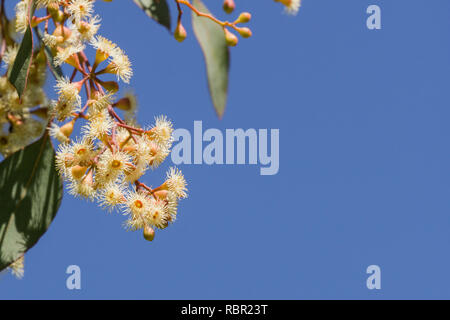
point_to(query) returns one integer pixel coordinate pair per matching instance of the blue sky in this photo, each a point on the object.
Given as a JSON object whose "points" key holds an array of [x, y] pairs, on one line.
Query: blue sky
{"points": [[364, 164]]}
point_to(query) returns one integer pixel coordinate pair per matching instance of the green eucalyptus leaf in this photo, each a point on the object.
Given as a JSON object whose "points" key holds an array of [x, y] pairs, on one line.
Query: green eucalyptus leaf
{"points": [[18, 73], [30, 195], [158, 10], [217, 56]]}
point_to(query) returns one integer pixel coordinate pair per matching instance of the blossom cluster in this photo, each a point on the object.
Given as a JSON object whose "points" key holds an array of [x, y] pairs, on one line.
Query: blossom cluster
{"points": [[106, 162]]}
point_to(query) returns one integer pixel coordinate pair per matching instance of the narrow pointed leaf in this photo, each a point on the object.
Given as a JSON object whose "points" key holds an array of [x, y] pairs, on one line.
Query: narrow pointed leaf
{"points": [[158, 10], [18, 73], [30, 195], [217, 56]]}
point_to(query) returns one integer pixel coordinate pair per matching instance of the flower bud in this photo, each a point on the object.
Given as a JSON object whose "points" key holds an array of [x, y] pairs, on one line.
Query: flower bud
{"points": [[67, 128], [59, 16], [162, 194], [112, 86], [53, 10], [72, 60], [63, 33], [244, 17], [149, 233], [231, 39], [229, 6], [245, 32], [164, 186], [180, 33], [78, 85], [84, 27], [123, 104], [100, 56], [78, 172]]}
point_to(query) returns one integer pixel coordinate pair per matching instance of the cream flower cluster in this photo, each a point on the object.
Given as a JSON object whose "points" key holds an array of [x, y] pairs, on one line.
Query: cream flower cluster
{"points": [[105, 164]]}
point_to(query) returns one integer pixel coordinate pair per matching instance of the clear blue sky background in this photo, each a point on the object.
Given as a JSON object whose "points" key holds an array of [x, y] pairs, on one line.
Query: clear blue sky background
{"points": [[364, 164]]}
